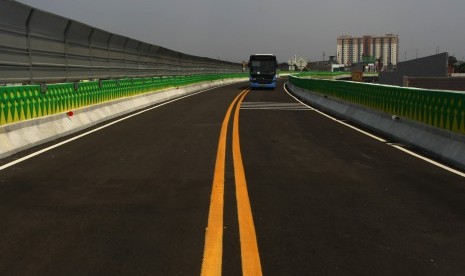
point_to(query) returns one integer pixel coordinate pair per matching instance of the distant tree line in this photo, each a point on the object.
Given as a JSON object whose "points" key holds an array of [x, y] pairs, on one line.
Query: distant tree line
{"points": [[459, 66]]}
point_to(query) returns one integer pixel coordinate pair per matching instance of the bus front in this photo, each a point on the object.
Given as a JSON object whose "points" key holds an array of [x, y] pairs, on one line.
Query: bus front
{"points": [[262, 71]]}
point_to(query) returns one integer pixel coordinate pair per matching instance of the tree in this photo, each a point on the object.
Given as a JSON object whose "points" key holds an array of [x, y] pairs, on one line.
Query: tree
{"points": [[461, 68], [452, 61]]}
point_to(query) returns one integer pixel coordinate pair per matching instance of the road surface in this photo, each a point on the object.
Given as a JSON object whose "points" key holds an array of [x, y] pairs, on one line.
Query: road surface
{"points": [[270, 187]]}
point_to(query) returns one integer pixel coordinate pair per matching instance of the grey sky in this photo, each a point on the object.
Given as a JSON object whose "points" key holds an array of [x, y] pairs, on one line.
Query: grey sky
{"points": [[232, 30]]}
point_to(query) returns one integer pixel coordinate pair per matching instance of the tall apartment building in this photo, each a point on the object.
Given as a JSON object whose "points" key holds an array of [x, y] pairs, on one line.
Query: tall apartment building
{"points": [[353, 49]]}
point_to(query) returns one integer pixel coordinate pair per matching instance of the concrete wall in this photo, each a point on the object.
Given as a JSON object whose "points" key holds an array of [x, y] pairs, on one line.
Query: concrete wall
{"points": [[432, 66]]}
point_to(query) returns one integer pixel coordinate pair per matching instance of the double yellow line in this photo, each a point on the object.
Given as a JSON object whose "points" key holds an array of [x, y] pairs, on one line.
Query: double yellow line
{"points": [[213, 250]]}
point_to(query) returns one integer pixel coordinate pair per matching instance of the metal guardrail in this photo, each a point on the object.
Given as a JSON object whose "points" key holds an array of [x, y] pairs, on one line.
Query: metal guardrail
{"points": [[36, 46], [442, 109]]}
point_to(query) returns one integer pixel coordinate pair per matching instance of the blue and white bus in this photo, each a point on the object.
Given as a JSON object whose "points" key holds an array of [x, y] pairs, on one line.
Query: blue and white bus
{"points": [[262, 71]]}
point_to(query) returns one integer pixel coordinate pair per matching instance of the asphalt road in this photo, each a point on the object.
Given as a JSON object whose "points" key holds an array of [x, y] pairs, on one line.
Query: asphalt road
{"points": [[135, 198]]}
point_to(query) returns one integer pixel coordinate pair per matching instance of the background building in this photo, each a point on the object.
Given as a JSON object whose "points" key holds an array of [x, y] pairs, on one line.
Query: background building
{"points": [[330, 65], [297, 63], [368, 49]]}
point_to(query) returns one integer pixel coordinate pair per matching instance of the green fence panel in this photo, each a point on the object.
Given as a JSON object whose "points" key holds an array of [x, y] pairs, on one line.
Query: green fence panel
{"points": [[18, 103], [442, 109]]}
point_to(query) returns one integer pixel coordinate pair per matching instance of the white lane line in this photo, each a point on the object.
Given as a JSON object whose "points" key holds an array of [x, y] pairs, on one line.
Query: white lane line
{"points": [[394, 145], [99, 128], [442, 166], [337, 120]]}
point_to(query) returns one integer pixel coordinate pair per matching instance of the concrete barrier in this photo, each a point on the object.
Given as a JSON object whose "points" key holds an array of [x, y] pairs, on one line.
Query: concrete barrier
{"points": [[441, 144], [26, 134]]}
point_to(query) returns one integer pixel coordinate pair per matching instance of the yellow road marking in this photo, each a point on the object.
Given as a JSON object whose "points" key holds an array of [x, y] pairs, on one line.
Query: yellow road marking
{"points": [[249, 248], [213, 250]]}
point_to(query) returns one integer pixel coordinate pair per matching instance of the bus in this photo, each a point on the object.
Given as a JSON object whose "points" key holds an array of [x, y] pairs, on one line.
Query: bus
{"points": [[262, 70]]}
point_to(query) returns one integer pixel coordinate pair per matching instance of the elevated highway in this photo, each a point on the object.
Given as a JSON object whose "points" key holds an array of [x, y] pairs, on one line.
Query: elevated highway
{"points": [[297, 192], [222, 181]]}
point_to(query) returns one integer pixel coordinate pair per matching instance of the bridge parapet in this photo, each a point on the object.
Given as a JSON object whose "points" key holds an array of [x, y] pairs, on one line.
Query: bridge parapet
{"points": [[25, 102], [437, 108]]}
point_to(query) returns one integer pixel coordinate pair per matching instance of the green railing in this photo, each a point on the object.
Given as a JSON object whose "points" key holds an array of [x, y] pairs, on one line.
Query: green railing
{"points": [[442, 109], [18, 103]]}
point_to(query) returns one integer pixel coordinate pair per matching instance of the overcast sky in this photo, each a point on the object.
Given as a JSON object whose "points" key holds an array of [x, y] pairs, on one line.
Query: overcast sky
{"points": [[234, 29]]}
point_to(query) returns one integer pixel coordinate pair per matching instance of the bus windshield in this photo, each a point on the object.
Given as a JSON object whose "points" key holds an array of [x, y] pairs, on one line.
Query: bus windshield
{"points": [[262, 67]]}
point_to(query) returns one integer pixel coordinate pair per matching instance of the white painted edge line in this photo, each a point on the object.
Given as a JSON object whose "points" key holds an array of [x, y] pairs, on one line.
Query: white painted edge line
{"points": [[397, 146], [12, 163], [442, 166], [337, 120]]}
